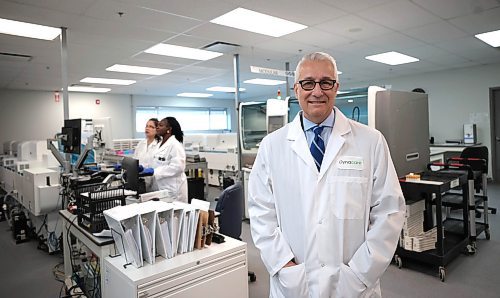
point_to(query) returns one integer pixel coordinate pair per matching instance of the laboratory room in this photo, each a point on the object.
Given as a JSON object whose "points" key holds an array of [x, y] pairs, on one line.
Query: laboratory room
{"points": [[249, 149]]}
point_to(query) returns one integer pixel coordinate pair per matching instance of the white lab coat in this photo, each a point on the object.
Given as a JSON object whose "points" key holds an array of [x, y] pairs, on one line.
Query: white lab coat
{"points": [[144, 153], [341, 225], [169, 163]]}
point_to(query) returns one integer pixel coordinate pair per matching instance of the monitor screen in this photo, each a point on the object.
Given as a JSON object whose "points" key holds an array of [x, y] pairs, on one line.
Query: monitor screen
{"points": [[130, 167], [73, 136]]}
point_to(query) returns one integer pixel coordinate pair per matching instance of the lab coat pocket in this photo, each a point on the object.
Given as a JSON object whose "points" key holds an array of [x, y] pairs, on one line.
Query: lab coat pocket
{"points": [[349, 284], [348, 195], [293, 282]]}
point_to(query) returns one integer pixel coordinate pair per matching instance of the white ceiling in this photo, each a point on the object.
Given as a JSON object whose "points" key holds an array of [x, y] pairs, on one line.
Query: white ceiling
{"points": [[439, 33]]}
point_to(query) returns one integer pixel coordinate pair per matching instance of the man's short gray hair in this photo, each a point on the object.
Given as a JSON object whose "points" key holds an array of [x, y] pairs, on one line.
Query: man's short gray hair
{"points": [[316, 56]]}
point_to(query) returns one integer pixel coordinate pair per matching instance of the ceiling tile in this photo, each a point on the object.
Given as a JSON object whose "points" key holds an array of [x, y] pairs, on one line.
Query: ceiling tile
{"points": [[217, 32], [398, 15], [394, 42], [318, 38], [470, 48], [455, 8], [353, 27], [287, 46], [354, 6], [435, 32], [134, 16], [312, 12], [478, 23]]}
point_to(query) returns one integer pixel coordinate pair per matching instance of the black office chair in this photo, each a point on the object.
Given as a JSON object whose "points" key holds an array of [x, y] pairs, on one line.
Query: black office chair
{"points": [[230, 204]]}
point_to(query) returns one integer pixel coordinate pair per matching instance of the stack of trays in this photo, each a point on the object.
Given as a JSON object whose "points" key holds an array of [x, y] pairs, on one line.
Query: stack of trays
{"points": [[413, 236], [425, 241]]}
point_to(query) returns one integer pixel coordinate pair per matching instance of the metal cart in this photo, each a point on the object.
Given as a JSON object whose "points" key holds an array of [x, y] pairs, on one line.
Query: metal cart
{"points": [[451, 241]]}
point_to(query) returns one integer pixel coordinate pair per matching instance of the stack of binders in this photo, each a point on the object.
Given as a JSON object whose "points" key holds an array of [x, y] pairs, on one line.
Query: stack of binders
{"points": [[143, 231]]}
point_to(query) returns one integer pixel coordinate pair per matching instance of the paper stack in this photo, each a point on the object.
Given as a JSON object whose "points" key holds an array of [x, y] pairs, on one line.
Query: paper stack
{"points": [[425, 241], [413, 224]]}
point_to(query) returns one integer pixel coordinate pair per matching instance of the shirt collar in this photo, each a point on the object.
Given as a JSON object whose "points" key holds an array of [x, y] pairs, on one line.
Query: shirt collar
{"points": [[328, 122]]}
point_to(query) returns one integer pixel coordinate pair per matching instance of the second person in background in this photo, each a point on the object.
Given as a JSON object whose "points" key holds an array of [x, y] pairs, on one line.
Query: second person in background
{"points": [[169, 160], [146, 148]]}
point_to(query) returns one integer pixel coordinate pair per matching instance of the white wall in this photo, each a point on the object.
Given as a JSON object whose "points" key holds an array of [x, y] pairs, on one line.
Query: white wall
{"points": [[35, 115], [116, 106], [456, 97], [29, 115]]}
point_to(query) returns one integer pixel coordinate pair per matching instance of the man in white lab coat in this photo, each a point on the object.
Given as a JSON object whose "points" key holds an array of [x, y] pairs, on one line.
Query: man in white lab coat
{"points": [[325, 206]]}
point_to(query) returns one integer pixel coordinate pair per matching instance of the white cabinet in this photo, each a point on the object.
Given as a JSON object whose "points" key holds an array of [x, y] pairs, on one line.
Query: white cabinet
{"points": [[218, 270]]}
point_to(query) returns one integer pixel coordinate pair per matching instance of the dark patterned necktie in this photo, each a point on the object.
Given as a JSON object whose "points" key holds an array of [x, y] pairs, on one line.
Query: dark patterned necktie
{"points": [[318, 146]]}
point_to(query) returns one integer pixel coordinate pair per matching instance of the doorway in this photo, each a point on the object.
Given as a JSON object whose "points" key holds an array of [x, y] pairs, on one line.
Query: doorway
{"points": [[495, 132]]}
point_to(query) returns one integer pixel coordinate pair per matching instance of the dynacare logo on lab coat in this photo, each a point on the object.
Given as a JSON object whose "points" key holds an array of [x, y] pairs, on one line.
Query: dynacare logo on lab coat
{"points": [[350, 163]]}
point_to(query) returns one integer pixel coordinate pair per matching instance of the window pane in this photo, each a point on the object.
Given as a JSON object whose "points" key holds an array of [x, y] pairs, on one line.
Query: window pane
{"points": [[218, 120], [189, 119], [142, 115]]}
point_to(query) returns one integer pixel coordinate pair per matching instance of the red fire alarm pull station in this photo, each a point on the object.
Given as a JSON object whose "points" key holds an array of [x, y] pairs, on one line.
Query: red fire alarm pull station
{"points": [[57, 97]]}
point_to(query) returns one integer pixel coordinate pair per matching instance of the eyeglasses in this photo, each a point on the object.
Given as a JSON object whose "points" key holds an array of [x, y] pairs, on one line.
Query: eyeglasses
{"points": [[309, 85]]}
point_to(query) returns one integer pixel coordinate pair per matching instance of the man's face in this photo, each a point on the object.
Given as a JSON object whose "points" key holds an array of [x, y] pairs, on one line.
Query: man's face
{"points": [[316, 104]]}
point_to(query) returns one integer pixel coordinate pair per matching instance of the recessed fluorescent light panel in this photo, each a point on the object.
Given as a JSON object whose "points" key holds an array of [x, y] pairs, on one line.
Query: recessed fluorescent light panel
{"points": [[253, 21], [107, 81], [182, 52], [392, 58], [188, 94], [88, 89], [28, 30], [492, 38], [224, 89], [266, 82], [138, 69]]}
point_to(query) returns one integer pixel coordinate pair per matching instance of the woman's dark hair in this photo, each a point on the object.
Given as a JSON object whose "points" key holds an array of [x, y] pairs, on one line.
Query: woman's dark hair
{"points": [[176, 128], [155, 121]]}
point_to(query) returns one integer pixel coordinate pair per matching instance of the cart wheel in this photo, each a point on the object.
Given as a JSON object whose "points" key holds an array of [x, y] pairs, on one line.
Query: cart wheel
{"points": [[487, 233], [470, 250], [442, 273], [399, 261], [253, 277]]}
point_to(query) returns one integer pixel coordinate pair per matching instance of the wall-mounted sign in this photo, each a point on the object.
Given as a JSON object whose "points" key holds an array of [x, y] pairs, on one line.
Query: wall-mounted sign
{"points": [[271, 71]]}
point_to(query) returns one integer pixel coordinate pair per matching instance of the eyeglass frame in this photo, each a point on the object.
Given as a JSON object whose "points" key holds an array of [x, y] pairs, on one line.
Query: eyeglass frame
{"points": [[317, 82]]}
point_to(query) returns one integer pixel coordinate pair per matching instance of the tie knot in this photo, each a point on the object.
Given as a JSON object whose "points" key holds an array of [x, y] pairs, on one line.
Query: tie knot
{"points": [[318, 130]]}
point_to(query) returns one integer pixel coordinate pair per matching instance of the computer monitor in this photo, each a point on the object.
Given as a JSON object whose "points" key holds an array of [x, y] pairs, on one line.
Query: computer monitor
{"points": [[130, 167], [72, 131]]}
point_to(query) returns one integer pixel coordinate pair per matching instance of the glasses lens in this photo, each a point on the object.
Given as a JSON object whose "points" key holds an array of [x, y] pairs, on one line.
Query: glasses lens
{"points": [[326, 84], [307, 84]]}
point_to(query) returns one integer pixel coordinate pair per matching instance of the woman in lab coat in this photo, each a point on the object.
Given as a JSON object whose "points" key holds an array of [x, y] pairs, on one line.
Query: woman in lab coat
{"points": [[169, 160], [146, 148], [327, 230]]}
